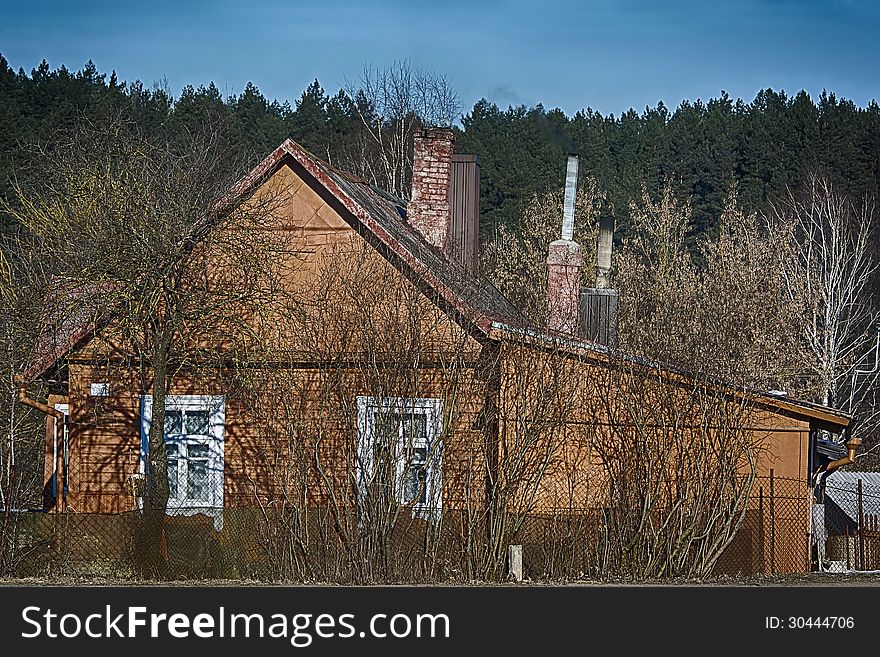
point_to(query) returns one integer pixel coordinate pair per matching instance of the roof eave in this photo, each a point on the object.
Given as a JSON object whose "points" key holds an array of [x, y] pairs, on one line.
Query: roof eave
{"points": [[825, 416]]}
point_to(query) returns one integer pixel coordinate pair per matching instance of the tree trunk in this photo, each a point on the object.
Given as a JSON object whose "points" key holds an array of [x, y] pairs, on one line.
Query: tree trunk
{"points": [[152, 552]]}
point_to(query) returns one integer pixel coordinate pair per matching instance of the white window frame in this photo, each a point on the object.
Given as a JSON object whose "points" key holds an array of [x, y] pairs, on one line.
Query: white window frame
{"points": [[215, 405], [368, 407], [60, 478]]}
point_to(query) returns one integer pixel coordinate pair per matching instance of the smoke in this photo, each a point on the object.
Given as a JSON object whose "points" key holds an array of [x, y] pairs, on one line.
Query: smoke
{"points": [[556, 135], [504, 94]]}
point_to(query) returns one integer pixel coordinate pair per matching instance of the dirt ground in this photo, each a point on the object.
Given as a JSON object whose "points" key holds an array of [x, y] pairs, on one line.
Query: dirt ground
{"points": [[853, 579]]}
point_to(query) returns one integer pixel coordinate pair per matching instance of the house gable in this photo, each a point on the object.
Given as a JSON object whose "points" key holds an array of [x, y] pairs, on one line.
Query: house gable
{"points": [[322, 207], [335, 265]]}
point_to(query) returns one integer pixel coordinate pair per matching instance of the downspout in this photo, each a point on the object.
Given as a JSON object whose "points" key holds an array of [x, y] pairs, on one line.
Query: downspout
{"points": [[33, 403], [821, 474], [19, 381], [852, 446]]}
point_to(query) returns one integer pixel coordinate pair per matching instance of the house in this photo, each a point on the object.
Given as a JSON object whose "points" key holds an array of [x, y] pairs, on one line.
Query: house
{"points": [[402, 386]]}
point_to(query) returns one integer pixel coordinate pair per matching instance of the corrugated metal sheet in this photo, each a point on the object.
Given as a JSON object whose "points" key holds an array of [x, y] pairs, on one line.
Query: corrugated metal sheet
{"points": [[598, 316], [464, 206], [841, 499], [848, 480]]}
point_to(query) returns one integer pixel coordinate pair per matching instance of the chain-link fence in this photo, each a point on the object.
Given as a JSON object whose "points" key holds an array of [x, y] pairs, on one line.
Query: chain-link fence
{"points": [[847, 523], [105, 545], [320, 544], [775, 534], [254, 544]]}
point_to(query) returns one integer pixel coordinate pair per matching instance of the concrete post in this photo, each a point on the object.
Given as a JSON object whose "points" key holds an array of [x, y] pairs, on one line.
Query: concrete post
{"points": [[514, 562]]}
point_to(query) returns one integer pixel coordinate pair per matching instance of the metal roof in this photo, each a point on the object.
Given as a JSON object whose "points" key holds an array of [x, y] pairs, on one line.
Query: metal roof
{"points": [[830, 448], [842, 502]]}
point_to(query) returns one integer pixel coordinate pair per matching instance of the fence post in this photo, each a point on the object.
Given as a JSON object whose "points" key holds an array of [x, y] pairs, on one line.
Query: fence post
{"points": [[772, 526], [761, 529], [870, 542], [514, 562], [861, 526]]}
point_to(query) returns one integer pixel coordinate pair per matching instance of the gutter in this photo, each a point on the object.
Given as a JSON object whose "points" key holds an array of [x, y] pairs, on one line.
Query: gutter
{"points": [[33, 403]]}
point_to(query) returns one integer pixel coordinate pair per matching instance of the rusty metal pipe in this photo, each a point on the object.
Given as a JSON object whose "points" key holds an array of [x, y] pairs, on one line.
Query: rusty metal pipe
{"points": [[852, 446], [33, 403], [44, 408]]}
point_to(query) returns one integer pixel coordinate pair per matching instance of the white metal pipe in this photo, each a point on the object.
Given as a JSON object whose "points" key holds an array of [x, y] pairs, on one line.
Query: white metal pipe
{"points": [[571, 178]]}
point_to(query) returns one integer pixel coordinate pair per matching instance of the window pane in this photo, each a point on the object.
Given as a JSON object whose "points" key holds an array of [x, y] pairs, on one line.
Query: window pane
{"points": [[173, 422], [387, 427], [197, 451], [197, 422], [172, 471], [415, 429], [414, 488], [197, 480], [386, 439]]}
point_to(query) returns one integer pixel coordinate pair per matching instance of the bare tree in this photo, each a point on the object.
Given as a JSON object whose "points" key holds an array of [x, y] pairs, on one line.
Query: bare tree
{"points": [[365, 393], [749, 321], [515, 259], [680, 457], [657, 280], [149, 231], [533, 441], [720, 309], [827, 270], [21, 450], [392, 103]]}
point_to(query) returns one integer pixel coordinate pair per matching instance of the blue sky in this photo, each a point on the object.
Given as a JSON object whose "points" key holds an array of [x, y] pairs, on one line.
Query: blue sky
{"points": [[607, 55]]}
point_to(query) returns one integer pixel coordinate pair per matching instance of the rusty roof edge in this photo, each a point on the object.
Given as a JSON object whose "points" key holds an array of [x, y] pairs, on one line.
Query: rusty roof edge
{"points": [[310, 164], [603, 354], [36, 367]]}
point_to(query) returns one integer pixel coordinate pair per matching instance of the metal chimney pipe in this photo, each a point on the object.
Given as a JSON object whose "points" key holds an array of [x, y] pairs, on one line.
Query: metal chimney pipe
{"points": [[571, 181], [603, 252]]}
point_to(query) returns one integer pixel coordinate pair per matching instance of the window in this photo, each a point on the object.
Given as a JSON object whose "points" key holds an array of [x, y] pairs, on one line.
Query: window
{"points": [[194, 432], [400, 453]]}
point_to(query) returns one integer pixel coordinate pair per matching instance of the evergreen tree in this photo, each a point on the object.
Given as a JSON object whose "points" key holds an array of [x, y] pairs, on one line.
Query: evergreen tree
{"points": [[309, 122]]}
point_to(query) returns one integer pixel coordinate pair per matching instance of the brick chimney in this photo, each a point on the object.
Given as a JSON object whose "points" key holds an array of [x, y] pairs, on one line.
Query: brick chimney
{"points": [[428, 209], [564, 261]]}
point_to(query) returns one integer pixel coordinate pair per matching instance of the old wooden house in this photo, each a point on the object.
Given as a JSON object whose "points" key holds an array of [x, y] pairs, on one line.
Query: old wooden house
{"points": [[395, 382]]}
